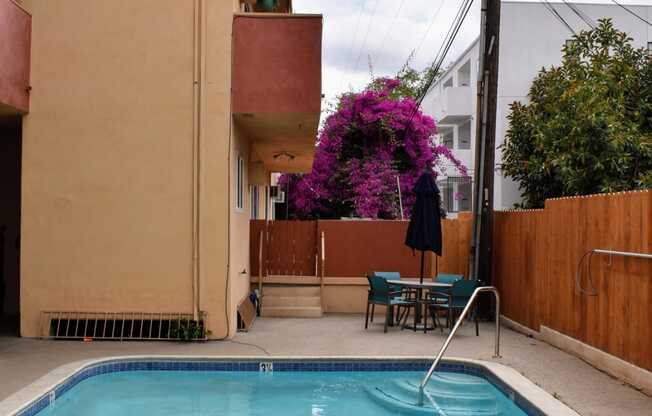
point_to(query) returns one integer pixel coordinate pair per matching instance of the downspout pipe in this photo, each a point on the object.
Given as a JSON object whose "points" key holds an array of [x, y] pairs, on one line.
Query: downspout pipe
{"points": [[199, 64]]}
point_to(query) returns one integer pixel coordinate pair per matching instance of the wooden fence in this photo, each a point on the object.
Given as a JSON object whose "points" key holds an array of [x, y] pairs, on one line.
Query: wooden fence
{"points": [[353, 248], [536, 257]]}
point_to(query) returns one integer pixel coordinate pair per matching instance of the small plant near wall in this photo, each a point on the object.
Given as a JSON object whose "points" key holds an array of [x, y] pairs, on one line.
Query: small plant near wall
{"points": [[189, 330]]}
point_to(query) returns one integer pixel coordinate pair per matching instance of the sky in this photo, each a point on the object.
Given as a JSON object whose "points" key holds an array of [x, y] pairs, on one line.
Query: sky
{"points": [[360, 36]]}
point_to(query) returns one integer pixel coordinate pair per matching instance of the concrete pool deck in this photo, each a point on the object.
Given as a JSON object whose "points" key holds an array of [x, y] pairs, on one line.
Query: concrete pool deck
{"points": [[580, 386]]}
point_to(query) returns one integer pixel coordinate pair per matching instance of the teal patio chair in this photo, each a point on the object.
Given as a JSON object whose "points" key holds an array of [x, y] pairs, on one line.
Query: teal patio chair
{"points": [[448, 278], [456, 300], [444, 278], [381, 293], [406, 293]]}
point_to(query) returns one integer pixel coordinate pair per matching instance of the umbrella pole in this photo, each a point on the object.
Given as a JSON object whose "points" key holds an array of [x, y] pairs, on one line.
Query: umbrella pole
{"points": [[421, 274]]}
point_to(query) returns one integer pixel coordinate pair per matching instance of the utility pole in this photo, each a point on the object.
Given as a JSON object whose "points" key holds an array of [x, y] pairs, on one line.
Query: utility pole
{"points": [[480, 259]]}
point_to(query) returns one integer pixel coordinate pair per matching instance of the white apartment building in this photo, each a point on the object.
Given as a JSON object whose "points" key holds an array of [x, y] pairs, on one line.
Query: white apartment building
{"points": [[531, 37]]}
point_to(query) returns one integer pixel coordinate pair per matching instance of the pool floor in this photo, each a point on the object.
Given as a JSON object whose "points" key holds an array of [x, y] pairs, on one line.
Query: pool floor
{"points": [[217, 393]]}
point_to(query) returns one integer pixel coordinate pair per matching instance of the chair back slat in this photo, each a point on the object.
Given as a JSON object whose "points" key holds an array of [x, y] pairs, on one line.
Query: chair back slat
{"points": [[448, 278], [388, 275], [463, 289]]}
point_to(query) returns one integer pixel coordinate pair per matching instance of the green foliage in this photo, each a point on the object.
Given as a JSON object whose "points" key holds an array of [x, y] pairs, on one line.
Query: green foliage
{"points": [[412, 84], [588, 125], [189, 330]]}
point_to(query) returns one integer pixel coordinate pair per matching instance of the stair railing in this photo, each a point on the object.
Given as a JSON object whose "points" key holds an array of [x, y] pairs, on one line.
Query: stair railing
{"points": [[468, 306]]}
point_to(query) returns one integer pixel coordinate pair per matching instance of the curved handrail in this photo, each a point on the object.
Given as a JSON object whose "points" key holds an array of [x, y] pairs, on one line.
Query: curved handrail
{"points": [[454, 330], [588, 255]]}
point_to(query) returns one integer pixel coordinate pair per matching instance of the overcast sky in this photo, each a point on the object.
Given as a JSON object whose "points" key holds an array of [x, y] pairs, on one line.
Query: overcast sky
{"points": [[385, 32]]}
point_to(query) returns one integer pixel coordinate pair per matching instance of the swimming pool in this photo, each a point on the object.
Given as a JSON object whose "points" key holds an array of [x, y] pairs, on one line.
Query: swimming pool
{"points": [[265, 386]]}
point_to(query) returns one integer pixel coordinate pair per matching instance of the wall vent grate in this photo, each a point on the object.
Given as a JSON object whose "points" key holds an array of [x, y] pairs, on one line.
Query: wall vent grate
{"points": [[118, 325]]}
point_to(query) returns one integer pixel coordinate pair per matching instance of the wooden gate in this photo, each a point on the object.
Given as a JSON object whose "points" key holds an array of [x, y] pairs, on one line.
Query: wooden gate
{"points": [[289, 248]]}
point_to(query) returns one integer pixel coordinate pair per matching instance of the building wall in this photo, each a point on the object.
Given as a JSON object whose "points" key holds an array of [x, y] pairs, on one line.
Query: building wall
{"points": [[530, 38], [109, 159], [239, 234]]}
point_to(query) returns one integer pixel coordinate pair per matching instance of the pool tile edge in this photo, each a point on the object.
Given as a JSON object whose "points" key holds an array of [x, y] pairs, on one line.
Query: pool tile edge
{"points": [[506, 378]]}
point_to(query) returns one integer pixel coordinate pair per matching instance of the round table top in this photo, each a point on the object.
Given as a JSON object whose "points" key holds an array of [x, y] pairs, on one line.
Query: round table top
{"points": [[415, 283]]}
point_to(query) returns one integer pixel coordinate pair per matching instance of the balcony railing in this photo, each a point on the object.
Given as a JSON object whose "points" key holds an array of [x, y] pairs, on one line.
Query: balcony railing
{"points": [[454, 106]]}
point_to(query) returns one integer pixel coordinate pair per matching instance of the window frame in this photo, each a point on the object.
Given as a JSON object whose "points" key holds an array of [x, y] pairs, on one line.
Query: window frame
{"points": [[239, 184]]}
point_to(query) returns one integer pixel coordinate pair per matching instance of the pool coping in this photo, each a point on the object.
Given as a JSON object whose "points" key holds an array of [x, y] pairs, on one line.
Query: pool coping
{"points": [[29, 395]]}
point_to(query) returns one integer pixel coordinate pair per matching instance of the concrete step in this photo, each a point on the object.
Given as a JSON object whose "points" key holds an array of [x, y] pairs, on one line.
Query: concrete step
{"points": [[290, 301], [291, 311], [287, 290]]}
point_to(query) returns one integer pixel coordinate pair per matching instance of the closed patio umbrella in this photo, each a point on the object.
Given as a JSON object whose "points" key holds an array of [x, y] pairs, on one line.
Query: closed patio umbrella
{"points": [[424, 230]]}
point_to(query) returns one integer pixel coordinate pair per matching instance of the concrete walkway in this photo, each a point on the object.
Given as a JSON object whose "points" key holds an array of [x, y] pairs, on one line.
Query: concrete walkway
{"points": [[582, 387]]}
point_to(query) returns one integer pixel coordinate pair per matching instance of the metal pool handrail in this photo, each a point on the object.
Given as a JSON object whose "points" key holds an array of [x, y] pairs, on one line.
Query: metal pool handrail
{"points": [[454, 330], [587, 256]]}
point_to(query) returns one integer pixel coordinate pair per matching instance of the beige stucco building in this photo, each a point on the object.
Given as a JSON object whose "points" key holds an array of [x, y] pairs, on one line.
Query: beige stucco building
{"points": [[138, 131]]}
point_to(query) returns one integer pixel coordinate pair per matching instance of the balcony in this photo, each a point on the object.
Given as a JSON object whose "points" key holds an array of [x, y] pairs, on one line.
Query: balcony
{"points": [[454, 105], [276, 87], [15, 38]]}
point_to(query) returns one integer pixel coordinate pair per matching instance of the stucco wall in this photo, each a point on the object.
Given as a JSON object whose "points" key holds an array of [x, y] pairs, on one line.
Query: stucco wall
{"points": [[239, 233], [108, 159]]}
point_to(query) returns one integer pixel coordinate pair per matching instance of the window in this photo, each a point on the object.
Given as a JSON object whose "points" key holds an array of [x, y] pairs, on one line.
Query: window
{"points": [[239, 184], [254, 202], [464, 136], [447, 139], [464, 191], [464, 74], [267, 202], [456, 193], [649, 48], [448, 83]]}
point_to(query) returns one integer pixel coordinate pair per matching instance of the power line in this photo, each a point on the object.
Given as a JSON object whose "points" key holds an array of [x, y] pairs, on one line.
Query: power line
{"points": [[355, 36], [441, 55], [445, 47], [364, 41], [432, 20], [391, 25], [630, 11], [586, 19], [556, 14]]}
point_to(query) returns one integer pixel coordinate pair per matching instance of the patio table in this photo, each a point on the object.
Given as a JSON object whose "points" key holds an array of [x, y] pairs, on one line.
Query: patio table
{"points": [[415, 284]]}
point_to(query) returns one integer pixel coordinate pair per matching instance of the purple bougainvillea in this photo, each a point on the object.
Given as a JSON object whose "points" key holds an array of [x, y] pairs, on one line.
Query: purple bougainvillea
{"points": [[369, 141]]}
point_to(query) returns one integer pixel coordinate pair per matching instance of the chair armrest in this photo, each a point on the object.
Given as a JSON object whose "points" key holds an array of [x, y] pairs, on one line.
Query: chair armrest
{"points": [[434, 294]]}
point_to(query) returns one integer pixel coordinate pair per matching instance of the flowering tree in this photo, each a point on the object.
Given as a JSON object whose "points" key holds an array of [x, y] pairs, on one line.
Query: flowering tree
{"points": [[371, 138]]}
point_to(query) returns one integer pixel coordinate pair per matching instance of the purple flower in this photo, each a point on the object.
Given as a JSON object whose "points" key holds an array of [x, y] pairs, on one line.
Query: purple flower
{"points": [[363, 147]]}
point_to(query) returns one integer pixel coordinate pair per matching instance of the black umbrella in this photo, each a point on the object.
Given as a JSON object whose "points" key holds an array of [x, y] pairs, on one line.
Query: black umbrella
{"points": [[424, 231]]}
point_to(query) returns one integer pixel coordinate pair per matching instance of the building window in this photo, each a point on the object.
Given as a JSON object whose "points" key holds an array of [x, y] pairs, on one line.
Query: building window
{"points": [[464, 191], [464, 75], [239, 184], [464, 136], [448, 83], [649, 48], [456, 193], [254, 202], [447, 139]]}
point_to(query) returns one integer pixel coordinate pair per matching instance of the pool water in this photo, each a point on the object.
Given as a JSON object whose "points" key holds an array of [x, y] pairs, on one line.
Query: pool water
{"points": [[217, 393]]}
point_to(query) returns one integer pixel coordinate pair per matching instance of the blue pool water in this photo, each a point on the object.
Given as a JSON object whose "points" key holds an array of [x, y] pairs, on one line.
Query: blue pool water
{"points": [[217, 393]]}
